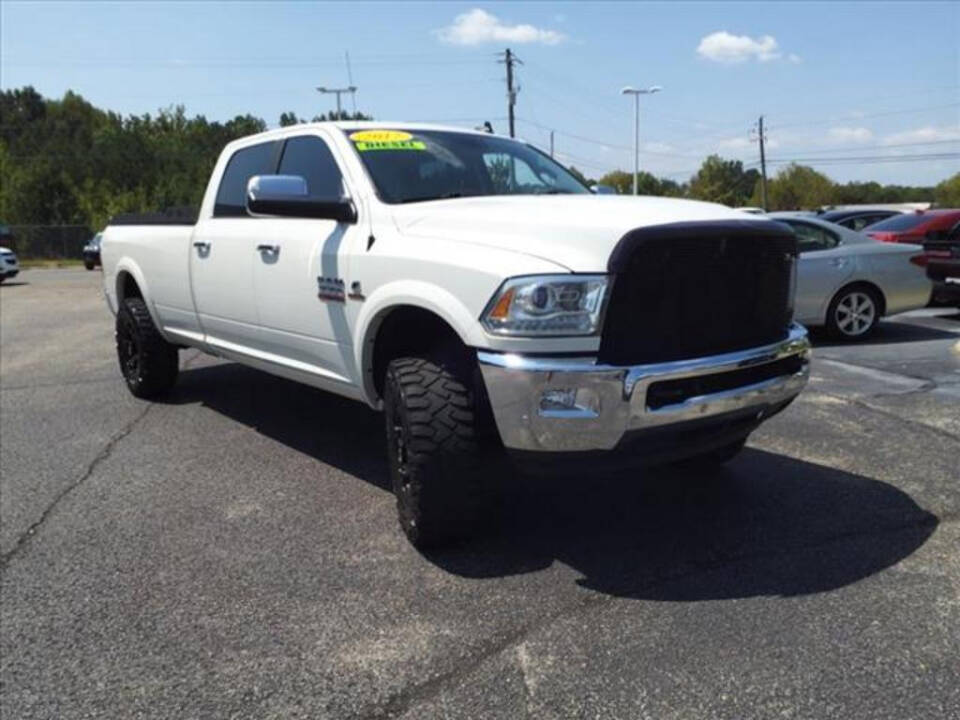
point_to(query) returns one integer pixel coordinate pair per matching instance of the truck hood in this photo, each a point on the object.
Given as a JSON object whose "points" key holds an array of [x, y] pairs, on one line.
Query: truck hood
{"points": [[577, 232]]}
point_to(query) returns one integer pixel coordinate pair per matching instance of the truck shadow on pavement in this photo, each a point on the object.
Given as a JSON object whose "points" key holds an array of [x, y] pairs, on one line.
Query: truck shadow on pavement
{"points": [[765, 524]]}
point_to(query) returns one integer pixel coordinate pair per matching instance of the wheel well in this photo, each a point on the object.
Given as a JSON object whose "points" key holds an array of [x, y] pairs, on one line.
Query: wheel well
{"points": [[127, 287], [411, 331], [868, 286]]}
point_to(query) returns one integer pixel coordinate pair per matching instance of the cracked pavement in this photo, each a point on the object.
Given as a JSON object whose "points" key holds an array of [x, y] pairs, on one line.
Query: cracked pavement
{"points": [[233, 552]]}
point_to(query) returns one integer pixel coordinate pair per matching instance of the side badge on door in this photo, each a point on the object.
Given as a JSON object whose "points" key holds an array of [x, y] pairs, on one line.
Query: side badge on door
{"points": [[331, 289]]}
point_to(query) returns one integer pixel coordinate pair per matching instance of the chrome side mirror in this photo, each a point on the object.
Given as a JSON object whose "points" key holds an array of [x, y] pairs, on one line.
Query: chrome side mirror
{"points": [[289, 196], [261, 187]]}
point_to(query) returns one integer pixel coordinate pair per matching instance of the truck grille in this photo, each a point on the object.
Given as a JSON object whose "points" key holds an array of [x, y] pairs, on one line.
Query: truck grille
{"points": [[689, 290]]}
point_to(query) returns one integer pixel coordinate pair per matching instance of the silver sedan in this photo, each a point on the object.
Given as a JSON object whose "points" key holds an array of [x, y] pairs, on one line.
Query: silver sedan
{"points": [[847, 281]]}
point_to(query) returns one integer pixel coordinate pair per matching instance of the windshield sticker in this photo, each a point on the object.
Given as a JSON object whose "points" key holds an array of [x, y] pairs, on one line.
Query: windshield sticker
{"points": [[390, 145], [380, 136], [365, 140]]}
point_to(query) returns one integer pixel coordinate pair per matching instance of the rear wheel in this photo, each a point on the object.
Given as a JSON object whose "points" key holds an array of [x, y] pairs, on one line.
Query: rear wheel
{"points": [[148, 362], [88, 264], [853, 313], [435, 446]]}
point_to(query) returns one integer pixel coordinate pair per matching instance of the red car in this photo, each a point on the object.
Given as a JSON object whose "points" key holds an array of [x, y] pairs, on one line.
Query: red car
{"points": [[937, 231], [917, 227]]}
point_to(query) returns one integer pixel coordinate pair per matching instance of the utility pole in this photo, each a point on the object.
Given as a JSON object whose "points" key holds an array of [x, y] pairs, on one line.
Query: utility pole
{"points": [[338, 92], [761, 138], [636, 127], [551, 143], [509, 59]]}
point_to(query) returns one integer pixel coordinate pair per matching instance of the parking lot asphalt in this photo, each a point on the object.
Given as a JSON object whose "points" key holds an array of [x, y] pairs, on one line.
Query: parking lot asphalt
{"points": [[233, 551]]}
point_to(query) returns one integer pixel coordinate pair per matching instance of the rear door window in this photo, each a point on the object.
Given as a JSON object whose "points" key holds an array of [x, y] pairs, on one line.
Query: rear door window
{"points": [[858, 222], [243, 165], [811, 237]]}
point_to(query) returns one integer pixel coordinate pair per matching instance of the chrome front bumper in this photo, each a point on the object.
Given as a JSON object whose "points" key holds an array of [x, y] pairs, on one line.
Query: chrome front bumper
{"points": [[553, 404]]}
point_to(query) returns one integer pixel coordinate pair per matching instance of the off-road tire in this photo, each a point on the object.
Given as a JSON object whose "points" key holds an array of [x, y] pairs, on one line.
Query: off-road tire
{"points": [[843, 295], [148, 363], [437, 449]]}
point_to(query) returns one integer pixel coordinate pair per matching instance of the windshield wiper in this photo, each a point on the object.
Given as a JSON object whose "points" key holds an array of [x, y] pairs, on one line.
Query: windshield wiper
{"points": [[554, 191], [425, 198]]}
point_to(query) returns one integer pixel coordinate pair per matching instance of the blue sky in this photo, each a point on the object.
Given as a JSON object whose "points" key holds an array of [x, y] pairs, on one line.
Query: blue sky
{"points": [[868, 81]]}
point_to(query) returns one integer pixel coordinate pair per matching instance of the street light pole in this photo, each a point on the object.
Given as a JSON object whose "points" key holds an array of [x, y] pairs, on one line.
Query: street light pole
{"points": [[338, 92], [637, 92]]}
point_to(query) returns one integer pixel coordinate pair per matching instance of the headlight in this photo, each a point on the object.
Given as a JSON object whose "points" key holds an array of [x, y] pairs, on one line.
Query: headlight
{"points": [[547, 305]]}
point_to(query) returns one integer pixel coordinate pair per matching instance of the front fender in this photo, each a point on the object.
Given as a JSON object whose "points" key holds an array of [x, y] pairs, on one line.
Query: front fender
{"points": [[410, 293]]}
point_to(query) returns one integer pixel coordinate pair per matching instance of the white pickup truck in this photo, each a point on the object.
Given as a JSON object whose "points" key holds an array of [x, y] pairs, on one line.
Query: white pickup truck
{"points": [[478, 294]]}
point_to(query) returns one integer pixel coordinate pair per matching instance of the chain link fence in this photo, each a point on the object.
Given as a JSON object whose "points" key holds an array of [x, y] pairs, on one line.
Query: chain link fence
{"points": [[46, 242]]}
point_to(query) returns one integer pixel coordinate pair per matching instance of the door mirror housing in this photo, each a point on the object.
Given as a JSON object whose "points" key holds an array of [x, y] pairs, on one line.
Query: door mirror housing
{"points": [[289, 196], [603, 190]]}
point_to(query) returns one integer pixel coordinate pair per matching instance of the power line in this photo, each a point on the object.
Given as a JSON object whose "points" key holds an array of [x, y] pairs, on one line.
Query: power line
{"points": [[864, 160], [905, 111], [603, 143]]}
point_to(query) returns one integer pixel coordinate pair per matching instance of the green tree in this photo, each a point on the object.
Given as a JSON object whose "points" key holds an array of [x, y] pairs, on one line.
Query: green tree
{"points": [[797, 187], [723, 181], [619, 180], [647, 184], [344, 115], [947, 193]]}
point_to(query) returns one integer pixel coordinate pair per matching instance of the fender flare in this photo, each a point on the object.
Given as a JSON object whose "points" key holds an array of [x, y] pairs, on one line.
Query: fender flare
{"points": [[126, 264], [407, 293]]}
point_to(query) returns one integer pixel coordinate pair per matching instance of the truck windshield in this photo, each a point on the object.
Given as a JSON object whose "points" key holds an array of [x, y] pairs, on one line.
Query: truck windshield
{"points": [[417, 165]]}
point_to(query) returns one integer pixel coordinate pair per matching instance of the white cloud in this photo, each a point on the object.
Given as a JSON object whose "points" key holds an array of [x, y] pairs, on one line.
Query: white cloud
{"points": [[737, 143], [794, 58], [924, 134], [723, 47], [850, 134], [658, 147], [477, 26]]}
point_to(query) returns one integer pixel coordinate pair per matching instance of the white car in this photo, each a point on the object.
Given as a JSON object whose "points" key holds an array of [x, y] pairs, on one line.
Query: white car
{"points": [[9, 267], [847, 281], [478, 294]]}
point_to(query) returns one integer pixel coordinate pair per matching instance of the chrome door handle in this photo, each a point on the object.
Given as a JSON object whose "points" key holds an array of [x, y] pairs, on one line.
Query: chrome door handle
{"points": [[202, 246], [838, 262], [274, 249]]}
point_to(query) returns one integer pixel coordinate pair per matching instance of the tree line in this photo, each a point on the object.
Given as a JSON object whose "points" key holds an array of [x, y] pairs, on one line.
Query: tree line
{"points": [[64, 161], [795, 187]]}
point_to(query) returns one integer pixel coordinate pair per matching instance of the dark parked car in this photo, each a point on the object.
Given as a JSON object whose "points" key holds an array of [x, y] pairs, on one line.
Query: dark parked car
{"points": [[943, 266], [857, 219], [91, 252]]}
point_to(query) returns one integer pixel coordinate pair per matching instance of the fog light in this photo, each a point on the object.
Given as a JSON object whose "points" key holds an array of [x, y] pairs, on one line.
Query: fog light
{"points": [[569, 403], [558, 399]]}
